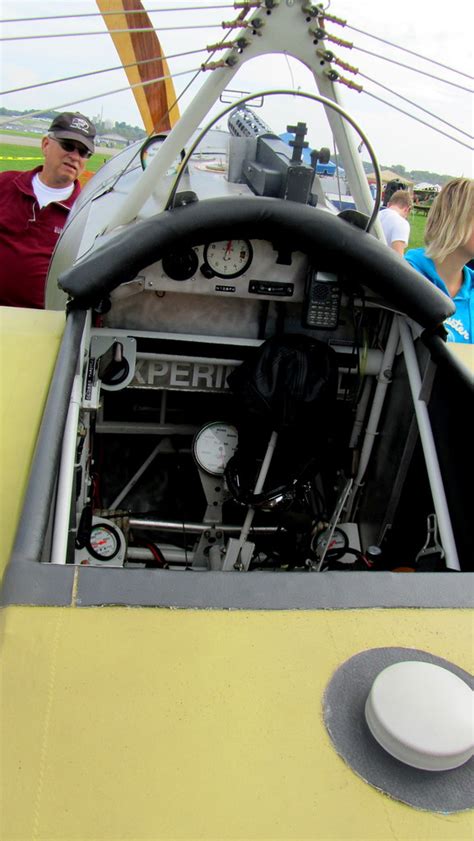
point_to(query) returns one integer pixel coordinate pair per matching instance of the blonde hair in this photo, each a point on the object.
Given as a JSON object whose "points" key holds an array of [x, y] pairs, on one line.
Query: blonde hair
{"points": [[450, 219], [402, 198]]}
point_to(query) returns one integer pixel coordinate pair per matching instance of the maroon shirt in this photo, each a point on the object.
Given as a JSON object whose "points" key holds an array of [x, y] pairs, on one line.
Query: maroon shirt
{"points": [[27, 238]]}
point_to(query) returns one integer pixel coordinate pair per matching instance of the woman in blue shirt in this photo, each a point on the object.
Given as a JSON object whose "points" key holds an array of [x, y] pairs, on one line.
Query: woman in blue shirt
{"points": [[449, 245]]}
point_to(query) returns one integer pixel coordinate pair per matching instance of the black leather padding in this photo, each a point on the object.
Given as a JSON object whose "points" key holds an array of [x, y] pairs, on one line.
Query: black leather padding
{"points": [[337, 245]]}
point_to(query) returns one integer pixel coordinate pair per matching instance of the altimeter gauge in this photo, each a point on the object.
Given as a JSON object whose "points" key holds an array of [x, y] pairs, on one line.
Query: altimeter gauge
{"points": [[228, 258], [214, 445]]}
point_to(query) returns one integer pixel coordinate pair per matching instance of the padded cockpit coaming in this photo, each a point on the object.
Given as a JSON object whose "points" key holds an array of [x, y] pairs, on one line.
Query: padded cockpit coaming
{"points": [[325, 238]]}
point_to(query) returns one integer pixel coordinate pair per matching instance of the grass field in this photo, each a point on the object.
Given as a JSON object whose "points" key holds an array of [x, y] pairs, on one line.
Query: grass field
{"points": [[417, 227], [14, 156]]}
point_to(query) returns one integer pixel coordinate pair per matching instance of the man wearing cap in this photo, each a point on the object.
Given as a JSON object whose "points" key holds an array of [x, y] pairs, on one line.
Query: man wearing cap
{"points": [[34, 207]]}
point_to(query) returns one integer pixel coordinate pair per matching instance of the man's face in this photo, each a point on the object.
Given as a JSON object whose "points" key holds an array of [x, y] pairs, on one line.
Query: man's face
{"points": [[60, 167]]}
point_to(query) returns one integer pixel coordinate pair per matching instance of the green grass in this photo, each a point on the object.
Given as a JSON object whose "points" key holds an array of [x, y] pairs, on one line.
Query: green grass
{"points": [[417, 227], [13, 156], [15, 133]]}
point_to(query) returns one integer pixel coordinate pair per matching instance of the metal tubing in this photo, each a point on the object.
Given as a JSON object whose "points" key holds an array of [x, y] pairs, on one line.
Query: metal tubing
{"points": [[136, 476], [360, 413], [429, 449], [171, 554], [383, 380], [195, 528], [66, 475], [258, 486]]}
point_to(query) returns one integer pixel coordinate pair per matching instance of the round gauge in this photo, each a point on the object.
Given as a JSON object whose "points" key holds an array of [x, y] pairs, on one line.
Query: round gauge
{"points": [[181, 266], [150, 148], [104, 542], [214, 445], [229, 258], [337, 544]]}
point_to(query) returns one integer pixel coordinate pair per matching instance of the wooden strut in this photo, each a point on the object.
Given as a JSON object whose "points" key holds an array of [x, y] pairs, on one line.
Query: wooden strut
{"points": [[156, 102]]}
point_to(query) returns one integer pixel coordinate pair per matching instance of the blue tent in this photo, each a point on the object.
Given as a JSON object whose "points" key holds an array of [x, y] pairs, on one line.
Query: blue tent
{"points": [[321, 169]]}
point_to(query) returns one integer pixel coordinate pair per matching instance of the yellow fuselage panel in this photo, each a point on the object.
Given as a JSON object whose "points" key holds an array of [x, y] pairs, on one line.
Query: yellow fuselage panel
{"points": [[29, 343], [129, 723]]}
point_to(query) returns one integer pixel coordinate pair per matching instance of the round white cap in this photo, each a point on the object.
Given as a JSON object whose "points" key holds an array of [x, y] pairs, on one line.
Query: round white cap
{"points": [[423, 715]]}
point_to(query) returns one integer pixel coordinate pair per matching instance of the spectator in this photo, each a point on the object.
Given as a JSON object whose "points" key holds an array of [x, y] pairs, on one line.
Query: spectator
{"points": [[394, 221], [34, 207], [449, 246], [392, 187]]}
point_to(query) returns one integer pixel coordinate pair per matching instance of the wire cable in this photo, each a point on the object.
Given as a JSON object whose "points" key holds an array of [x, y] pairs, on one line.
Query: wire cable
{"points": [[418, 119], [97, 72], [119, 12], [410, 102], [415, 69], [111, 32], [406, 50], [99, 95]]}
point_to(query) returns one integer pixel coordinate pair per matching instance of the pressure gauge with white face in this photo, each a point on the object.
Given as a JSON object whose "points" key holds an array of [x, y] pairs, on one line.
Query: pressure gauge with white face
{"points": [[104, 542], [214, 445]]}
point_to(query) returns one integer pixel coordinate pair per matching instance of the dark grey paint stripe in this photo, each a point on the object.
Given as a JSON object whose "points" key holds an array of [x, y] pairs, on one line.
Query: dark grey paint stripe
{"points": [[27, 583]]}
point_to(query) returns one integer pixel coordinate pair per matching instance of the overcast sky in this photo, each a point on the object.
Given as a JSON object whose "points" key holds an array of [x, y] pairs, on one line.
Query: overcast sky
{"points": [[428, 27]]}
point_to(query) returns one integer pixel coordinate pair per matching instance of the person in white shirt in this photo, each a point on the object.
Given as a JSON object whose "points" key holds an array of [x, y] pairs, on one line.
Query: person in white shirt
{"points": [[394, 221]]}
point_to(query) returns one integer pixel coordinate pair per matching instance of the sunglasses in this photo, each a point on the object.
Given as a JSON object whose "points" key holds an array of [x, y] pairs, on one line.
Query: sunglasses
{"points": [[70, 146]]}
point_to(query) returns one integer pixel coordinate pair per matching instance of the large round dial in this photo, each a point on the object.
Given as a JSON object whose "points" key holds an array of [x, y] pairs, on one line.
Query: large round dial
{"points": [[229, 258], [214, 445]]}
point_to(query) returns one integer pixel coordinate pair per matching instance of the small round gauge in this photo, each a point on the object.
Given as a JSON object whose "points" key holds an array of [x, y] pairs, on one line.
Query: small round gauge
{"points": [[182, 265], [214, 445], [229, 258], [150, 148], [104, 542], [337, 544]]}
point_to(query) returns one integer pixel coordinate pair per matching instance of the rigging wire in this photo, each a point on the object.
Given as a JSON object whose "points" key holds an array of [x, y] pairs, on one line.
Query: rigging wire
{"points": [[97, 72], [415, 69], [198, 70], [406, 50], [107, 93], [418, 119], [119, 12], [410, 102], [111, 32]]}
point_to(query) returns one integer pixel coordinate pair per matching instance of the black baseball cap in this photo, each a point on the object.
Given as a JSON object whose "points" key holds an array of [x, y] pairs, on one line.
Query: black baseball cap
{"points": [[69, 126]]}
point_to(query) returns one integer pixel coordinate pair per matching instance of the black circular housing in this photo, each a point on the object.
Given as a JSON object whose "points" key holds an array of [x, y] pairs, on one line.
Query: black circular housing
{"points": [[181, 265]]}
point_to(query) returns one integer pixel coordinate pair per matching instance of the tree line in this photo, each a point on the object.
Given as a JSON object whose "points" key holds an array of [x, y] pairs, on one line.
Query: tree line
{"points": [[415, 175], [102, 127]]}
